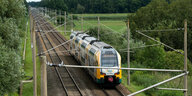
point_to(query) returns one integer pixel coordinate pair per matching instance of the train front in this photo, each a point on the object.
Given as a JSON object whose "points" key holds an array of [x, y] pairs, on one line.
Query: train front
{"points": [[110, 58]]}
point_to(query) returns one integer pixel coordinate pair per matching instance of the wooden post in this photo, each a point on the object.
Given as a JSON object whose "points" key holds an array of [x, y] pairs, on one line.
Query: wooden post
{"points": [[71, 21], [21, 89], [34, 61], [43, 76], [185, 57], [98, 28], [82, 23], [65, 22], [128, 54]]}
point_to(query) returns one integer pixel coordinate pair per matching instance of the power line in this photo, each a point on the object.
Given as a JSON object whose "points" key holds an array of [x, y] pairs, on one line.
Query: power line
{"points": [[159, 42], [178, 29]]}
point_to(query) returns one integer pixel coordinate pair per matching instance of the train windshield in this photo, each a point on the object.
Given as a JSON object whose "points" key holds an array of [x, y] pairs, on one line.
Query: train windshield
{"points": [[109, 58]]}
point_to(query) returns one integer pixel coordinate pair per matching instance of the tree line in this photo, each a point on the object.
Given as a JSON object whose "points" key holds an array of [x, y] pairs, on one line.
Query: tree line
{"points": [[93, 6], [163, 15], [12, 28]]}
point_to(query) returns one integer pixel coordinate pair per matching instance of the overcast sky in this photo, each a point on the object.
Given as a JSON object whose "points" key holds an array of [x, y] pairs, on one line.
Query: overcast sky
{"points": [[33, 0]]}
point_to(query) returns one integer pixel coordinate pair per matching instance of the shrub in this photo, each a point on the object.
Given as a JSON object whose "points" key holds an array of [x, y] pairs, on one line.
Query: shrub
{"points": [[9, 33], [10, 70], [153, 57]]}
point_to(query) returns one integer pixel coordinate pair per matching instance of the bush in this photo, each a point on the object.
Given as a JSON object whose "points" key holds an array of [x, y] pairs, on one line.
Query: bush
{"points": [[9, 33], [10, 70], [175, 60], [153, 57]]}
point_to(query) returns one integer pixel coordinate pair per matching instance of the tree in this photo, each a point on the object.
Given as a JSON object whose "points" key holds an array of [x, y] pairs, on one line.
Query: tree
{"points": [[80, 8], [160, 14], [12, 14]]}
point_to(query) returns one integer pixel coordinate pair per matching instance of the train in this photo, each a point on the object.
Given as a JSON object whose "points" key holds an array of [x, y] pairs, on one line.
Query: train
{"points": [[90, 51]]}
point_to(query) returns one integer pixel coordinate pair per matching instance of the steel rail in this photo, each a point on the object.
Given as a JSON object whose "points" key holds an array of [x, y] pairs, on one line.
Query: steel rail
{"points": [[48, 27], [61, 60], [59, 75]]}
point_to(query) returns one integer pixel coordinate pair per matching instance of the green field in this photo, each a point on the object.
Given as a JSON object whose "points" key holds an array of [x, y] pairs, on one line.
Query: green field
{"points": [[112, 16], [116, 26]]}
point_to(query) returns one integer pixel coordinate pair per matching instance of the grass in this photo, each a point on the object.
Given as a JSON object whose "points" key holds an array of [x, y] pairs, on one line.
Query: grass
{"points": [[111, 16], [28, 68], [116, 26], [104, 14]]}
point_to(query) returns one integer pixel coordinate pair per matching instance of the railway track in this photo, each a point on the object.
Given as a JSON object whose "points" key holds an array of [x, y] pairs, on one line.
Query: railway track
{"points": [[68, 85], [67, 81]]}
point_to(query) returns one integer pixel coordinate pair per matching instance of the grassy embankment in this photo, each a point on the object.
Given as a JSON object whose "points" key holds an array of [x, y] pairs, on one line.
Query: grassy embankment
{"points": [[28, 68]]}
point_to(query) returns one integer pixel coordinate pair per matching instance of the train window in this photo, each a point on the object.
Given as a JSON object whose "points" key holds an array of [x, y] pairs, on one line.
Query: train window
{"points": [[92, 51], [77, 40], [109, 59], [71, 37], [83, 45]]}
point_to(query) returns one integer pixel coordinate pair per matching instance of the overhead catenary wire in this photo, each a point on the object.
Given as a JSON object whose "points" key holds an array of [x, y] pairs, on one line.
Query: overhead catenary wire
{"points": [[165, 30], [55, 47], [141, 47], [159, 42], [51, 30], [62, 51], [97, 67]]}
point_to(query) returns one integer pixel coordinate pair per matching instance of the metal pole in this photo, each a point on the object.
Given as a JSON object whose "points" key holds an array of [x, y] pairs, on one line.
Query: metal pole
{"points": [[98, 28], [55, 17], [60, 17], [65, 22], [128, 53], [71, 21], [34, 62], [44, 11], [155, 85], [43, 76], [47, 11], [82, 23], [185, 57]]}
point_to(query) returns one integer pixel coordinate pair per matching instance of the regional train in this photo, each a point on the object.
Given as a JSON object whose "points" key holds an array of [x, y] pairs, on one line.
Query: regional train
{"points": [[91, 52]]}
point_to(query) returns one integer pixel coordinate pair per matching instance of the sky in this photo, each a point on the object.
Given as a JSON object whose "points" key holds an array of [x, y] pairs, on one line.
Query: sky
{"points": [[33, 0]]}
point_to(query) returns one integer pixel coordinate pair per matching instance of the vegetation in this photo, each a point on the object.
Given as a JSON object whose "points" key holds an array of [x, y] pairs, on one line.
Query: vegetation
{"points": [[112, 16], [11, 30], [28, 69], [157, 15], [160, 14], [94, 6]]}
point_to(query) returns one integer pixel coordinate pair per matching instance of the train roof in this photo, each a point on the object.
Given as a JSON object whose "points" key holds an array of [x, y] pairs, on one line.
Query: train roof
{"points": [[101, 45], [89, 39], [82, 35]]}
